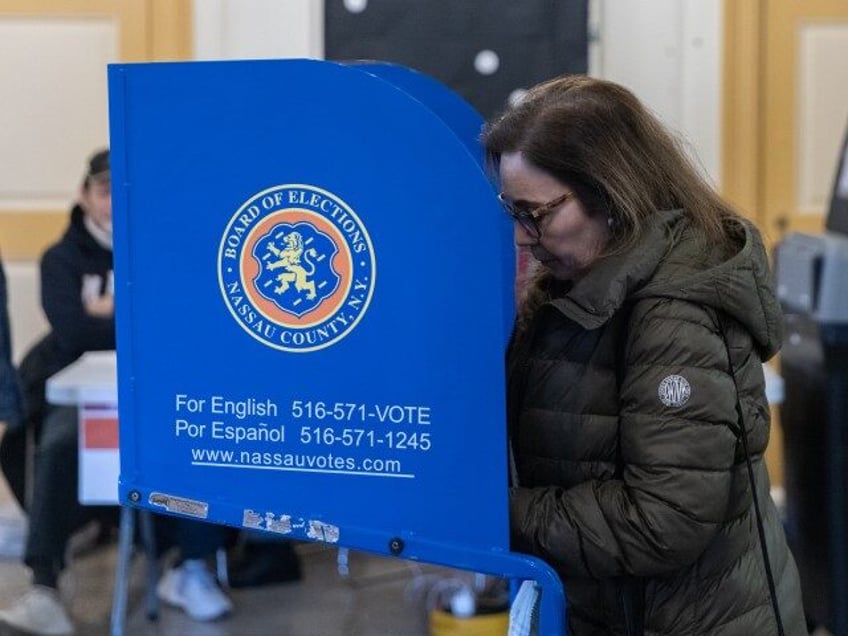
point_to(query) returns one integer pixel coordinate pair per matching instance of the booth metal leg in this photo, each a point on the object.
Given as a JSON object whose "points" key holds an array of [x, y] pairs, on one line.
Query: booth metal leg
{"points": [[126, 534], [221, 569], [122, 571], [343, 562], [149, 542]]}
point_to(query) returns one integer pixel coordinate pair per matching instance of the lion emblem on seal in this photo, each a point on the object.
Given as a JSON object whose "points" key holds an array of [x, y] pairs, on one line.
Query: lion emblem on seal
{"points": [[295, 267], [289, 258]]}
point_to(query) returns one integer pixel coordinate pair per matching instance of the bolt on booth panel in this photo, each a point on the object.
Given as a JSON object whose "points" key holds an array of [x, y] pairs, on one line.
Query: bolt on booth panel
{"points": [[812, 282], [314, 293]]}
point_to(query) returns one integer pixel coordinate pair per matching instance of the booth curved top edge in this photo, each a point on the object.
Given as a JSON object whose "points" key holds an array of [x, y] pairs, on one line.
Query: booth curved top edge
{"points": [[460, 117], [456, 114], [452, 109]]}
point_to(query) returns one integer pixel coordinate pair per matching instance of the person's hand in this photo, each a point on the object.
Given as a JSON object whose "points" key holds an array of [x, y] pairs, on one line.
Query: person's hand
{"points": [[101, 307]]}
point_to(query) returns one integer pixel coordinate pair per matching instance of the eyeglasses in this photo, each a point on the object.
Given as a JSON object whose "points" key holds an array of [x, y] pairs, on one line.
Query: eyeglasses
{"points": [[529, 218]]}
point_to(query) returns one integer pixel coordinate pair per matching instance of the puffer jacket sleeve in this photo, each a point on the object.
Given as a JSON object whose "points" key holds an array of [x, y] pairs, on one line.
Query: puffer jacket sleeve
{"points": [[676, 455]]}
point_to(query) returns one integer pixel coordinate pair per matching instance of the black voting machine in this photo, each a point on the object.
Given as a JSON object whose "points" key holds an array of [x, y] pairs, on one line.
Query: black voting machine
{"points": [[812, 282]]}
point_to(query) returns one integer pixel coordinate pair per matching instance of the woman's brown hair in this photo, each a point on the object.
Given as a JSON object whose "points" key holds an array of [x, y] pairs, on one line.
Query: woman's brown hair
{"points": [[596, 137]]}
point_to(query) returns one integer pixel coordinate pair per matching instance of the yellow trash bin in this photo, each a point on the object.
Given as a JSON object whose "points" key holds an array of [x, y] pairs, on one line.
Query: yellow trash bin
{"points": [[444, 623]]}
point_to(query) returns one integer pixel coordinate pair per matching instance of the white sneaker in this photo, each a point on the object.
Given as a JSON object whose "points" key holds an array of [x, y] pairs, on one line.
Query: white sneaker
{"points": [[39, 611], [192, 588]]}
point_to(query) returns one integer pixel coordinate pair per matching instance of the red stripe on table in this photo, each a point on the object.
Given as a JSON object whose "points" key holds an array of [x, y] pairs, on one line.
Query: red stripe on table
{"points": [[101, 432]]}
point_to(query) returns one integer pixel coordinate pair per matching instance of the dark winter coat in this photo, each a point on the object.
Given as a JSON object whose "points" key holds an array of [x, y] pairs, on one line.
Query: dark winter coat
{"points": [[633, 483], [74, 267]]}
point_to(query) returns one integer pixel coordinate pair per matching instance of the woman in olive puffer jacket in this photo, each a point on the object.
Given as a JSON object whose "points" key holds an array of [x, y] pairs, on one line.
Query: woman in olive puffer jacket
{"points": [[636, 394]]}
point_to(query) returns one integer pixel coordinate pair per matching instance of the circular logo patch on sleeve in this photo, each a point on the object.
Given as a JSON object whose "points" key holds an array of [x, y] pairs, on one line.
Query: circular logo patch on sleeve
{"points": [[674, 390], [296, 268]]}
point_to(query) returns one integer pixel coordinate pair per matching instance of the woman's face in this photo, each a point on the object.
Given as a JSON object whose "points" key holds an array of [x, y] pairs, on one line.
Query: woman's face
{"points": [[570, 240]]}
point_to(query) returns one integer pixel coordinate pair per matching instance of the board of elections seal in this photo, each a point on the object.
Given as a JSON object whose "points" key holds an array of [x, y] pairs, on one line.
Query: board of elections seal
{"points": [[296, 268]]}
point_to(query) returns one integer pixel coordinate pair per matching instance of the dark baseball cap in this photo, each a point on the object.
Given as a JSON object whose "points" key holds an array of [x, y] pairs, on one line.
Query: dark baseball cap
{"points": [[98, 166]]}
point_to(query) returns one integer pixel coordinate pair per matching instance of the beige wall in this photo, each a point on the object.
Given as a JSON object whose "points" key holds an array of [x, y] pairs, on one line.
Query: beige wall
{"points": [[668, 52], [53, 89], [27, 318], [251, 29], [42, 154]]}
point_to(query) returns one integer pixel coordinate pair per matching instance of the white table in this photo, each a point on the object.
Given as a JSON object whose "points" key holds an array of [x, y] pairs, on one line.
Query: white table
{"points": [[92, 378], [91, 384]]}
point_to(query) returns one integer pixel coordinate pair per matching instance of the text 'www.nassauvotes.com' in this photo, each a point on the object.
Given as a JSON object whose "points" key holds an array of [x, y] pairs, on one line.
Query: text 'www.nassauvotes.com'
{"points": [[299, 462]]}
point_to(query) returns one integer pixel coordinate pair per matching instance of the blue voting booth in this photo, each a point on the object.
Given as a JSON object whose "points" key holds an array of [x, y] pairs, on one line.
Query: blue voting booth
{"points": [[314, 293]]}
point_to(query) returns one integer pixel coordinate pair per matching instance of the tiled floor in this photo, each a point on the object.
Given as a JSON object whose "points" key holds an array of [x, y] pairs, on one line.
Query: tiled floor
{"points": [[380, 596]]}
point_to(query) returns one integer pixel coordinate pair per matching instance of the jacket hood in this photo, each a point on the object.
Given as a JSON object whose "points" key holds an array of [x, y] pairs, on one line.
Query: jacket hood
{"points": [[669, 262]]}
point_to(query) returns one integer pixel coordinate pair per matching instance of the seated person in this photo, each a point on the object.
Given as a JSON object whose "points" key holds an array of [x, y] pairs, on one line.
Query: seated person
{"points": [[77, 297], [189, 585]]}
